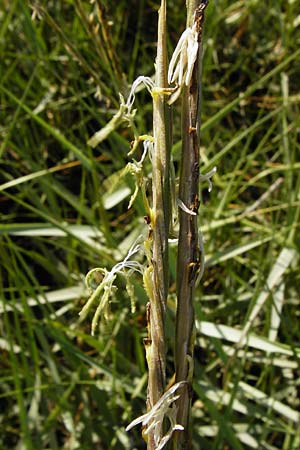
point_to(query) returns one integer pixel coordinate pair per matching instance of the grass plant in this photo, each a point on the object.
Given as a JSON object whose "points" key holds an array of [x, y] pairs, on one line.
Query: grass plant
{"points": [[64, 211]]}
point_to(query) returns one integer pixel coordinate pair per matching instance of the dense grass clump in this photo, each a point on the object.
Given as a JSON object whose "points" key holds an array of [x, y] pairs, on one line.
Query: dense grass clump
{"points": [[64, 212]]}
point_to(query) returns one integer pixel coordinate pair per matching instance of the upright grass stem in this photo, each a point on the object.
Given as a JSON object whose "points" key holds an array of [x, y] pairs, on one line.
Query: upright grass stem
{"points": [[155, 347], [189, 252], [185, 70]]}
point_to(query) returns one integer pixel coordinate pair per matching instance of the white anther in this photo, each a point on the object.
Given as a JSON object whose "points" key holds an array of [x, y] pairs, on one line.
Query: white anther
{"points": [[154, 419], [184, 58]]}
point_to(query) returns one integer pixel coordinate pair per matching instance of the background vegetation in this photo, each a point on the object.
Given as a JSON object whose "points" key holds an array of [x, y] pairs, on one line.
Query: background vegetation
{"points": [[62, 66]]}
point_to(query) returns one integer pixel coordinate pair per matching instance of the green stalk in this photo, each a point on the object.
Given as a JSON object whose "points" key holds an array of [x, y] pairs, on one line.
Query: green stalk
{"points": [[189, 253], [158, 270]]}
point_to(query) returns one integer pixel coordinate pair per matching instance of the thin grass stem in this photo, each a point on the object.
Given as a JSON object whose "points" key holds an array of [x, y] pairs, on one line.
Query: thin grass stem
{"points": [[189, 249], [160, 226]]}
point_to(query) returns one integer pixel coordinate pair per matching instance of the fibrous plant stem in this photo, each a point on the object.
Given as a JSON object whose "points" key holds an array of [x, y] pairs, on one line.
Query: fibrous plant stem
{"points": [[189, 252], [155, 346]]}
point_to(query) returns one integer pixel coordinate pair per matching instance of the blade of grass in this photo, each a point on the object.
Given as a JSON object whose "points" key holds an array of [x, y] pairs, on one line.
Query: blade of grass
{"points": [[87, 163]]}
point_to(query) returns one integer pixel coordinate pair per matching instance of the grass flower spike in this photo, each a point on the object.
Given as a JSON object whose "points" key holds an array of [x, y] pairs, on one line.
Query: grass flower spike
{"points": [[184, 57], [103, 291], [153, 420], [136, 169], [124, 114]]}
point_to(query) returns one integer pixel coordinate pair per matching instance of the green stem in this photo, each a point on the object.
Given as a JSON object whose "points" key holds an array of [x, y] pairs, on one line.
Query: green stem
{"points": [[160, 225], [189, 258]]}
